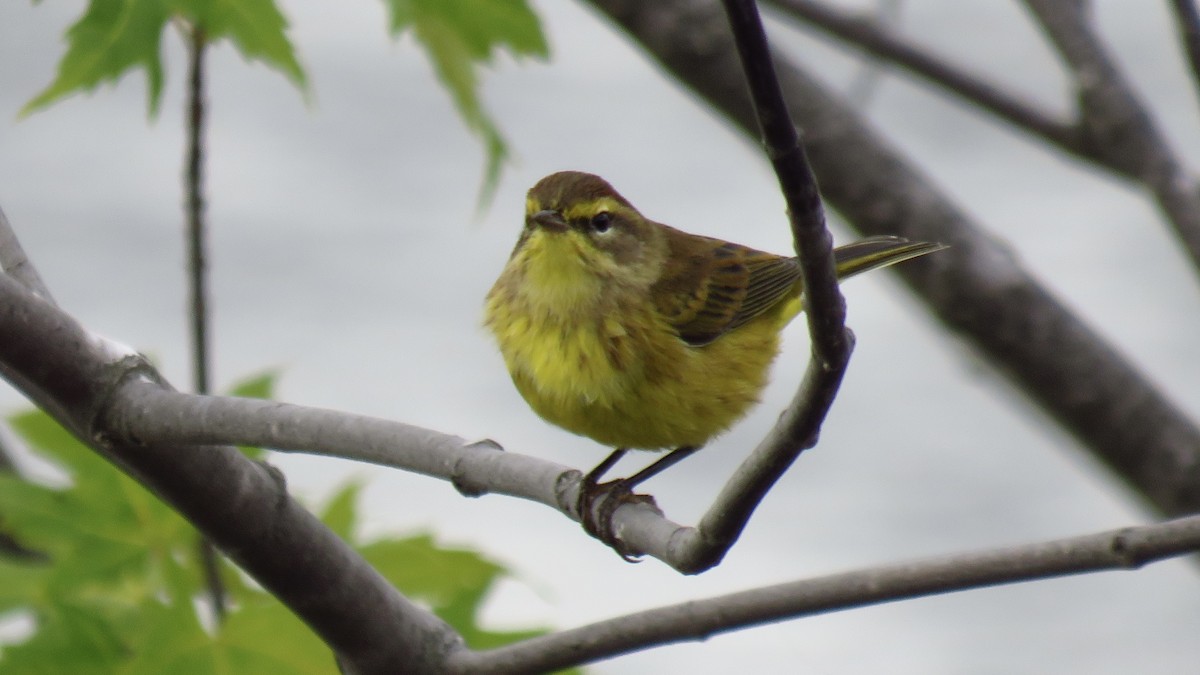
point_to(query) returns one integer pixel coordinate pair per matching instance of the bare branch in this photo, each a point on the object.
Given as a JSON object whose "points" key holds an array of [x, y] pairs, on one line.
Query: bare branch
{"points": [[153, 414], [195, 229], [1188, 20], [150, 414], [1115, 130], [796, 431], [14, 263], [825, 306], [193, 180], [832, 342], [1117, 127], [1127, 548], [977, 287], [875, 38]]}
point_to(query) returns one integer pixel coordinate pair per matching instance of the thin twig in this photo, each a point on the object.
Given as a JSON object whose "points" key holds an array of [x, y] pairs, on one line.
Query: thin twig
{"points": [[832, 342], [197, 277], [825, 306], [1127, 548], [14, 262], [194, 187], [797, 430], [1187, 18]]}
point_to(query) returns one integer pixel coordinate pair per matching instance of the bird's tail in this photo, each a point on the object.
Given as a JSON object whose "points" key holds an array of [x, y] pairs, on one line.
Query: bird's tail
{"points": [[875, 252]]}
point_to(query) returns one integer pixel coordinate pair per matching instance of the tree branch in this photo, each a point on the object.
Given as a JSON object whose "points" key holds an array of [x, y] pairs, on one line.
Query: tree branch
{"points": [[198, 287], [1187, 18], [14, 263], [1127, 548], [832, 342], [193, 180], [876, 39], [1116, 126], [1114, 130], [150, 414], [825, 306], [977, 288]]}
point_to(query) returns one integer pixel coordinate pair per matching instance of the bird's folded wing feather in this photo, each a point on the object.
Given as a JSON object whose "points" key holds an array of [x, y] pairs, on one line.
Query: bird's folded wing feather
{"points": [[710, 287]]}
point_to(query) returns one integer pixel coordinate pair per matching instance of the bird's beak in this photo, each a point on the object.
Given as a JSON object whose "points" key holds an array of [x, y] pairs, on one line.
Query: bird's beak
{"points": [[549, 220]]}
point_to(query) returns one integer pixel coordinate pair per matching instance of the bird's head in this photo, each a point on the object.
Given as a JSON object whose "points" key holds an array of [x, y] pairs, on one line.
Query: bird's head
{"points": [[579, 230]]}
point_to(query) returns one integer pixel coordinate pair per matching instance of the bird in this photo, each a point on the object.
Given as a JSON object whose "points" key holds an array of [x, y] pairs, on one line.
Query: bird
{"points": [[641, 336]]}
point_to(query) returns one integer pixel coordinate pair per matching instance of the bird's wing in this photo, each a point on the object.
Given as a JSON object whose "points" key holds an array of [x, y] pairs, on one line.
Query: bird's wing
{"points": [[710, 287]]}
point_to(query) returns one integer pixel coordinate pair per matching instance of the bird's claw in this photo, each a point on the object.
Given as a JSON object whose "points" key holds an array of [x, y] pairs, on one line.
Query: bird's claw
{"points": [[598, 503]]}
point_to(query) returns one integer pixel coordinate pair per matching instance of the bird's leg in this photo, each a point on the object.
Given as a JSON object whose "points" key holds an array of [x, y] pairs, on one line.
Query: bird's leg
{"points": [[592, 479], [665, 462], [599, 501]]}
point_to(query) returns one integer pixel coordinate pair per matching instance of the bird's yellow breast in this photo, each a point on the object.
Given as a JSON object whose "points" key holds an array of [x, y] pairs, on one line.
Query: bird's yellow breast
{"points": [[598, 360]]}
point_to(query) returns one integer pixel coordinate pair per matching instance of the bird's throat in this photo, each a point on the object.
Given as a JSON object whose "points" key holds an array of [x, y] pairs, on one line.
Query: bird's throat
{"points": [[560, 275]]}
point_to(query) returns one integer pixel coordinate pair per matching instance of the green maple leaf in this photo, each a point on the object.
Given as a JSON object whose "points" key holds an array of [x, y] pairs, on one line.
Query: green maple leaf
{"points": [[112, 38], [115, 37], [460, 36]]}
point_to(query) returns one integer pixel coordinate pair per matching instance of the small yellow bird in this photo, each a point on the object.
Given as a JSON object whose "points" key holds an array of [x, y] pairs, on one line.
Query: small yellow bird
{"points": [[638, 335]]}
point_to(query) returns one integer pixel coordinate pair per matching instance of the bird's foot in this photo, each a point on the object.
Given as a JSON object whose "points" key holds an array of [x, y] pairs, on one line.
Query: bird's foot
{"points": [[596, 506]]}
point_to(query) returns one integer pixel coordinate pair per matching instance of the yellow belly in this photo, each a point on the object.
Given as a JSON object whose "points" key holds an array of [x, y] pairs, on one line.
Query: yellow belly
{"points": [[626, 380]]}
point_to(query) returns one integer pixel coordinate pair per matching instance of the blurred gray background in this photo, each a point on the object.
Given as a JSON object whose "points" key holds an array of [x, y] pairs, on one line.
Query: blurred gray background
{"points": [[346, 252]]}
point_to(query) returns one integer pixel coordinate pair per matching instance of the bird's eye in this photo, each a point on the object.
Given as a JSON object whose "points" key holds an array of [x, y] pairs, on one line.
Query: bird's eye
{"points": [[601, 222]]}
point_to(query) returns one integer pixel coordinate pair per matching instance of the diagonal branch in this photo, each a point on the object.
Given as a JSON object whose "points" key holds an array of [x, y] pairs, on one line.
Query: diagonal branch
{"points": [[876, 39], [1127, 548], [14, 263], [1188, 19], [1114, 130], [1116, 125], [197, 43], [832, 342], [825, 306]]}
